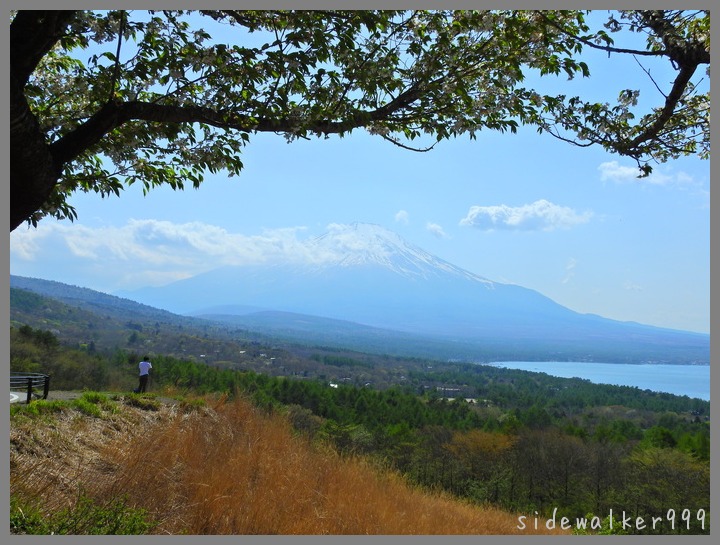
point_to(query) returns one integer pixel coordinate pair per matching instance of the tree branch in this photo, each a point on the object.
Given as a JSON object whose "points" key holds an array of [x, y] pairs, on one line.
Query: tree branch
{"points": [[116, 71], [590, 43], [678, 49], [114, 114], [409, 148], [679, 86]]}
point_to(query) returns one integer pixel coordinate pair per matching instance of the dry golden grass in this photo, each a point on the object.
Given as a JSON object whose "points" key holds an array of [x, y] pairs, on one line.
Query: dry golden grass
{"points": [[229, 469]]}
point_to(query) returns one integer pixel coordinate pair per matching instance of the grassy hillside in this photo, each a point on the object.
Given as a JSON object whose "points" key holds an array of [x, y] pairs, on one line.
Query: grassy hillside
{"points": [[207, 466], [525, 443]]}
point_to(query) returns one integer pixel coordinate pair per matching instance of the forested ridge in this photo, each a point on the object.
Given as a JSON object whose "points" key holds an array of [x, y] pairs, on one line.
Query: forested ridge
{"points": [[524, 442]]}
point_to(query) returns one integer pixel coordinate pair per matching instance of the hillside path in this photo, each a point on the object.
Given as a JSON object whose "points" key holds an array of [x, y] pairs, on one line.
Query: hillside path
{"points": [[69, 395]]}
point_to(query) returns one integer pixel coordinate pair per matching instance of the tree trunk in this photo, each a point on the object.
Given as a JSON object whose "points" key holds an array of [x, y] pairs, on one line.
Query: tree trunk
{"points": [[33, 170]]}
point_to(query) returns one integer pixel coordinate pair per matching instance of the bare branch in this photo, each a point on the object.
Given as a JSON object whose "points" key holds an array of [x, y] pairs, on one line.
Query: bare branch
{"points": [[403, 146], [607, 48]]}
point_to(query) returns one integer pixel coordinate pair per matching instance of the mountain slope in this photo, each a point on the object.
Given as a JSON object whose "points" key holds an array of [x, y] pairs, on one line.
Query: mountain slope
{"points": [[371, 276]]}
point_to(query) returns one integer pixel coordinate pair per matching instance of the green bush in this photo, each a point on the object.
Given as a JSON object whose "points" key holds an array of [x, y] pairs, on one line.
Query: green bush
{"points": [[41, 407], [190, 405], [26, 519], [101, 400], [94, 397], [87, 407], [145, 402], [84, 518]]}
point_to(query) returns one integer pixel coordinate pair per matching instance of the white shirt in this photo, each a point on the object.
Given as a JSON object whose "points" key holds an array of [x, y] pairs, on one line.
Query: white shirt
{"points": [[145, 367]]}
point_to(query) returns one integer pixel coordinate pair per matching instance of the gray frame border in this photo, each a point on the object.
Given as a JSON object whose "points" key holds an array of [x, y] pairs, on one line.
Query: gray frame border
{"points": [[343, 540]]}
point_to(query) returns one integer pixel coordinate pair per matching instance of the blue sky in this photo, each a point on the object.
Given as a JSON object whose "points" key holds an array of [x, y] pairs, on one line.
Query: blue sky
{"points": [[572, 223]]}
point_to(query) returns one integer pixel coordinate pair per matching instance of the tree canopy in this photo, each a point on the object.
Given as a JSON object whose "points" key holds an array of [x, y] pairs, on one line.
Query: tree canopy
{"points": [[100, 100]]}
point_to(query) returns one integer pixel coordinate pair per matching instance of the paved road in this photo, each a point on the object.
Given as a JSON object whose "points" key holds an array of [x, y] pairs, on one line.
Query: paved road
{"points": [[20, 397]]}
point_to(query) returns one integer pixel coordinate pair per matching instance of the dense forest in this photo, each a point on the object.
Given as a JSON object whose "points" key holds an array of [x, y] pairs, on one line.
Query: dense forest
{"points": [[522, 441]]}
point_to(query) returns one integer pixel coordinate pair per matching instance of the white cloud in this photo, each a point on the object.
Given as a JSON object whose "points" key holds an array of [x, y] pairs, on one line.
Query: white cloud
{"points": [[613, 171], [541, 215], [344, 240], [436, 230], [402, 217], [570, 270], [26, 244], [632, 286], [150, 252]]}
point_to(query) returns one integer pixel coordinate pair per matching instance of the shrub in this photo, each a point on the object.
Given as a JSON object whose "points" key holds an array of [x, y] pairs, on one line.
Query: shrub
{"points": [[101, 400], [147, 403], [87, 407], [26, 519], [86, 517], [190, 405], [41, 407]]}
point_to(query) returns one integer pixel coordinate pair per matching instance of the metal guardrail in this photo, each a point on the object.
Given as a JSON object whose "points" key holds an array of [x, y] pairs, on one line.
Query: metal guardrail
{"points": [[30, 383]]}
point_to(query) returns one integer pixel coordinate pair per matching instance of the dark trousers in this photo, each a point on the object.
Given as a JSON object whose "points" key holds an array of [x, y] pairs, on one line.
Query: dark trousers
{"points": [[143, 383]]}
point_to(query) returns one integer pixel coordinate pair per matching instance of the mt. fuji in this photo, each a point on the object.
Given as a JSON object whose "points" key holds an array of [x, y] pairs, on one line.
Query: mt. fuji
{"points": [[368, 244], [371, 276]]}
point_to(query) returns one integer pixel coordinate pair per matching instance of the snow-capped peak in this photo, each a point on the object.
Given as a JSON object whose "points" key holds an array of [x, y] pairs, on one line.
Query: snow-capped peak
{"points": [[370, 244]]}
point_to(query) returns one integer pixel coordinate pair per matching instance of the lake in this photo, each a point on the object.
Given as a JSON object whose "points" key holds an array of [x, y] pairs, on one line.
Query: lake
{"points": [[690, 380]]}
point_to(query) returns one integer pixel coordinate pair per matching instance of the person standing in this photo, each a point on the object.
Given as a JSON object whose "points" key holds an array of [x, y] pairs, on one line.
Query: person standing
{"points": [[145, 367]]}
